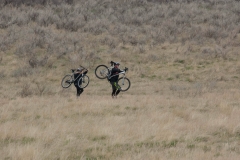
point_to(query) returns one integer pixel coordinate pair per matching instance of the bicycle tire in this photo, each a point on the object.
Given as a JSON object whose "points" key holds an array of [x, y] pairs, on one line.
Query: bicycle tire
{"points": [[83, 81], [101, 71], [67, 81], [124, 83]]}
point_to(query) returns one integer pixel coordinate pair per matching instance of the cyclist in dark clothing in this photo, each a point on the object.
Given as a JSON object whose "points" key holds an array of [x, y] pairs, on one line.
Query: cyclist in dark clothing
{"points": [[113, 80], [77, 75]]}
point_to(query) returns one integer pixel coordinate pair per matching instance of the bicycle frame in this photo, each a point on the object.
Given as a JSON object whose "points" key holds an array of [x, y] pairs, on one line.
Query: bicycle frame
{"points": [[80, 75], [103, 71], [121, 81], [121, 73]]}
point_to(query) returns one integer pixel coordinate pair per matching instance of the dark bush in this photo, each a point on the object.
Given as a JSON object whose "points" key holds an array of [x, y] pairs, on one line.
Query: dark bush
{"points": [[34, 2], [26, 90], [22, 72], [36, 62]]}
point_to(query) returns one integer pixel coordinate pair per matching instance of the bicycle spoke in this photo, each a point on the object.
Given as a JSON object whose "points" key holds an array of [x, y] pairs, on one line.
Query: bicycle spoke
{"points": [[101, 71], [124, 83], [67, 81], [83, 82]]}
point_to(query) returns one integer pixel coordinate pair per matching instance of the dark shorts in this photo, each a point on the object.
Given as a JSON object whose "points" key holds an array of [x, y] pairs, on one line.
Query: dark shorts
{"points": [[115, 86]]}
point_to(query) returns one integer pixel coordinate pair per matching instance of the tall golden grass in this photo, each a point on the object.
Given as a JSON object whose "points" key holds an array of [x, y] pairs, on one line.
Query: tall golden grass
{"points": [[150, 121]]}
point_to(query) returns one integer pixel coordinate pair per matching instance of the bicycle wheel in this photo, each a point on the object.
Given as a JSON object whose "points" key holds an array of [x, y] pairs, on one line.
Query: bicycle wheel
{"points": [[67, 81], [101, 71], [124, 83], [83, 81]]}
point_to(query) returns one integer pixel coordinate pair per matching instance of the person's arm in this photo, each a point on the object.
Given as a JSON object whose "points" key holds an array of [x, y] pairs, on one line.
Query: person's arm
{"points": [[83, 70], [115, 71], [112, 63]]}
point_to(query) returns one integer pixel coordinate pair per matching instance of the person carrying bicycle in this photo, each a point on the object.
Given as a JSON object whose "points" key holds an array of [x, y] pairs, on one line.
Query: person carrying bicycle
{"points": [[113, 80], [76, 75]]}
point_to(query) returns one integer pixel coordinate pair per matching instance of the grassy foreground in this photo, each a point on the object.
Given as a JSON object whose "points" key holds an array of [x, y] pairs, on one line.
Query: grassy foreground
{"points": [[131, 127], [158, 118]]}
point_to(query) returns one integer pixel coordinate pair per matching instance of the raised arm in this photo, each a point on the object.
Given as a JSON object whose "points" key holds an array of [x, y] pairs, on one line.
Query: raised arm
{"points": [[113, 63]]}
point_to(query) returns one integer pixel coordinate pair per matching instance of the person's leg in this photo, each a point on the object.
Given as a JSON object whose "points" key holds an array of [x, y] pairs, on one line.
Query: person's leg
{"points": [[113, 89], [117, 92], [118, 89], [113, 93], [78, 90]]}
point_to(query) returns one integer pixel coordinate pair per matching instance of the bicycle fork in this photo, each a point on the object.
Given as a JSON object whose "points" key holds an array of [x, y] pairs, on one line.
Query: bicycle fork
{"points": [[123, 80], [83, 79]]}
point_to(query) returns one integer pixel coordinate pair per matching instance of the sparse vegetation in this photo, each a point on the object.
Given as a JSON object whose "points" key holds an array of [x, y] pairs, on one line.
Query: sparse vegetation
{"points": [[183, 59]]}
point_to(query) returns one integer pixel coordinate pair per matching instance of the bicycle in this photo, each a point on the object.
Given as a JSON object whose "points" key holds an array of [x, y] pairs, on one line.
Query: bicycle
{"points": [[69, 79], [102, 72]]}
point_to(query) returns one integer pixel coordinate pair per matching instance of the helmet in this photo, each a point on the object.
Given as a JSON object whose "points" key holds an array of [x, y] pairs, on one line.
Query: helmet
{"points": [[117, 63], [79, 69]]}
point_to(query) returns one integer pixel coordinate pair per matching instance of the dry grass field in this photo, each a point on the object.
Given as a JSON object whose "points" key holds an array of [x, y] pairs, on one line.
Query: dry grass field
{"points": [[184, 66]]}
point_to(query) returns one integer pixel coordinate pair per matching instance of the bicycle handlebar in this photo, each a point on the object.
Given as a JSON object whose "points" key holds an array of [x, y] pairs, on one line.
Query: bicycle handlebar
{"points": [[124, 70], [73, 70], [83, 67], [112, 63]]}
